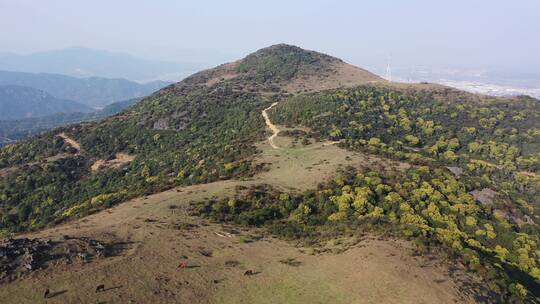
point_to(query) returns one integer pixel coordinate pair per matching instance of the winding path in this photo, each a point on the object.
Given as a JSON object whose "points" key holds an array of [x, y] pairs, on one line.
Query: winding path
{"points": [[270, 125], [275, 129]]}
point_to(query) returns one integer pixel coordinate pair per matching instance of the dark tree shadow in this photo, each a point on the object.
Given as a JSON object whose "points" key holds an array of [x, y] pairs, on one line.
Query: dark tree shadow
{"points": [[56, 293], [112, 288]]}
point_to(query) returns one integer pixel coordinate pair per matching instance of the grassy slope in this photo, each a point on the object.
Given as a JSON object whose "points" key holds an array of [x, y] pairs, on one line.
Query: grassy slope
{"points": [[147, 271]]}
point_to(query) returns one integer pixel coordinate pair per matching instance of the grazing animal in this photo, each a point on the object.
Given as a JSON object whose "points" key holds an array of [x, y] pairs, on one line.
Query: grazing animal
{"points": [[182, 265], [100, 288], [249, 273], [47, 293]]}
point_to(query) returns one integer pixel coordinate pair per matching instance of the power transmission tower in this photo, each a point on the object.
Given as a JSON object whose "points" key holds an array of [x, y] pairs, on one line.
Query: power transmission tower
{"points": [[388, 70]]}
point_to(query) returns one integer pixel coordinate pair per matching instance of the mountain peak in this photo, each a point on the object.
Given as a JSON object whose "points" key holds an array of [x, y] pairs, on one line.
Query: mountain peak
{"points": [[285, 67], [283, 49], [283, 62]]}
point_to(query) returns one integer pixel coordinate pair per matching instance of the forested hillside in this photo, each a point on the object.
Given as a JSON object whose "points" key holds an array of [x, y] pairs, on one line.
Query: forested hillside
{"points": [[22, 128], [493, 139], [197, 131]]}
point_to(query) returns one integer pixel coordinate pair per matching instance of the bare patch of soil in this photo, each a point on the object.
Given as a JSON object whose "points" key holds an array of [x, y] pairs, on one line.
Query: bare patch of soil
{"points": [[70, 141], [119, 160], [484, 196], [7, 171]]}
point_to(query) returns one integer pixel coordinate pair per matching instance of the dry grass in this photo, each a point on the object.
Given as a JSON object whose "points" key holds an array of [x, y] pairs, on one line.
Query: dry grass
{"points": [[224, 72], [148, 272], [370, 271], [343, 75], [302, 167]]}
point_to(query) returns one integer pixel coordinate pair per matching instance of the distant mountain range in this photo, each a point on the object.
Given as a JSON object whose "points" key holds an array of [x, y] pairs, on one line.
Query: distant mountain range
{"points": [[31, 103], [50, 89], [18, 102], [85, 62], [94, 92], [13, 130]]}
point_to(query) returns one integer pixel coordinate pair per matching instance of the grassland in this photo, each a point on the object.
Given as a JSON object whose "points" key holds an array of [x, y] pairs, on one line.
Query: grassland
{"points": [[158, 233]]}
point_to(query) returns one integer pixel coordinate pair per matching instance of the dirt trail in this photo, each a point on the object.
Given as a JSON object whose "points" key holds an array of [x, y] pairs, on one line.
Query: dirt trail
{"points": [[270, 125], [70, 141], [275, 129]]}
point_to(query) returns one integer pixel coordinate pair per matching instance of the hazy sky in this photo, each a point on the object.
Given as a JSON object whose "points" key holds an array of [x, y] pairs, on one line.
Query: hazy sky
{"points": [[466, 33]]}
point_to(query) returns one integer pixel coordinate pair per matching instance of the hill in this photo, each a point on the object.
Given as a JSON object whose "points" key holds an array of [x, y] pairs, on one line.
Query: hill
{"points": [[451, 174], [93, 92], [18, 102], [12, 130], [86, 62]]}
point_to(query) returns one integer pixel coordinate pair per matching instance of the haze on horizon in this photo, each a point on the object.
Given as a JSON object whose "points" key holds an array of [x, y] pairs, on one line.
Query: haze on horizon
{"points": [[468, 34]]}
